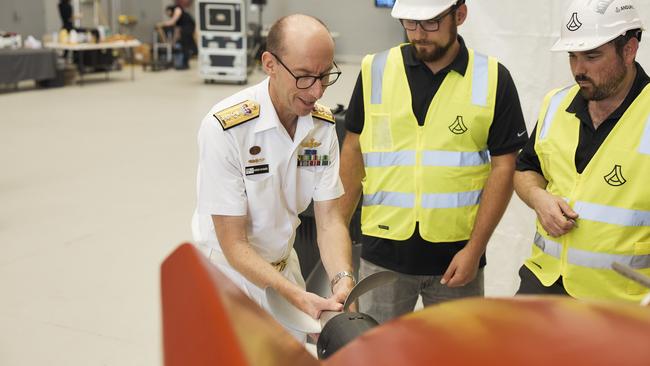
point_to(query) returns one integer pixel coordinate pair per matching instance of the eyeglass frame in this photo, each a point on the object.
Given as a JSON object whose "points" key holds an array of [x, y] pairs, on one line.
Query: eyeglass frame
{"points": [[437, 20], [316, 77]]}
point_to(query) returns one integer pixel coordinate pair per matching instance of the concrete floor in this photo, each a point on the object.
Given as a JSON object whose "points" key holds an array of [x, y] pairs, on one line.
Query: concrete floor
{"points": [[97, 187]]}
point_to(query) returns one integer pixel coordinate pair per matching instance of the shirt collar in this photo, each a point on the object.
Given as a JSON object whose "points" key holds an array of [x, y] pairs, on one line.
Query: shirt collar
{"points": [[303, 129], [269, 119], [459, 64]]}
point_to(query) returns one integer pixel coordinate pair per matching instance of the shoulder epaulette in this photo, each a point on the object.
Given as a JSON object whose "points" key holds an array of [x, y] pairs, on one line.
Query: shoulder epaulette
{"points": [[238, 114], [323, 113]]}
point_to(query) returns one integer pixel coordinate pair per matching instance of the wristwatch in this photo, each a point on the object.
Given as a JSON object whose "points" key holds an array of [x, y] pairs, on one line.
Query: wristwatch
{"points": [[337, 277]]}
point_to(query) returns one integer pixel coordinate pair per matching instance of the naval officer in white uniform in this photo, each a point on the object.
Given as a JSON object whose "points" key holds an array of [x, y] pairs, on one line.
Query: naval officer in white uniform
{"points": [[264, 154]]}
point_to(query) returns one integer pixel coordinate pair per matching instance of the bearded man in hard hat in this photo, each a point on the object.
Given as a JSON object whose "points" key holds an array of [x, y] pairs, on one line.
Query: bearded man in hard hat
{"points": [[585, 170], [433, 133]]}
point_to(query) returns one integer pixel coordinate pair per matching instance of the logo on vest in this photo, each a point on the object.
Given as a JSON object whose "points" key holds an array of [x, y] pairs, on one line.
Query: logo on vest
{"points": [[458, 127], [615, 178], [574, 24]]}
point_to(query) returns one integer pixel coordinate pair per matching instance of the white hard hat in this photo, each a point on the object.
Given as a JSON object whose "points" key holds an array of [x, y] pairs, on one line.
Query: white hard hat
{"points": [[420, 9], [589, 24]]}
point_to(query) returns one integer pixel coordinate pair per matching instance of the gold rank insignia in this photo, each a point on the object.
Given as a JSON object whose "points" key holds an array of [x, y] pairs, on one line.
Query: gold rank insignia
{"points": [[323, 113], [311, 143], [238, 114]]}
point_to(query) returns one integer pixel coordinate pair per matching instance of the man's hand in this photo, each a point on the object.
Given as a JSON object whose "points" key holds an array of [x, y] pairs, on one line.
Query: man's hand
{"points": [[555, 215], [341, 289], [462, 269], [313, 305]]}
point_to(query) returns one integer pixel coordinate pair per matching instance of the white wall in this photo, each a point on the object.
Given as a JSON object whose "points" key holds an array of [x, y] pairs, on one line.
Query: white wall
{"points": [[23, 17], [148, 13], [363, 28], [520, 34], [51, 17]]}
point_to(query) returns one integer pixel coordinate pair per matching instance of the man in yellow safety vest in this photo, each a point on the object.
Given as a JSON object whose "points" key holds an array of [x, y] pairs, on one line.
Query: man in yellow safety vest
{"points": [[585, 169], [433, 133]]}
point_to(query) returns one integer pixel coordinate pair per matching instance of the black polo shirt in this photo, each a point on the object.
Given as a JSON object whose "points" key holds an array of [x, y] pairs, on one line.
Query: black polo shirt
{"points": [[507, 134], [590, 138]]}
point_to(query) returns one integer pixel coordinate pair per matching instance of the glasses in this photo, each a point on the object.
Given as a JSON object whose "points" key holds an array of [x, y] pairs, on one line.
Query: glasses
{"points": [[430, 25], [306, 81]]}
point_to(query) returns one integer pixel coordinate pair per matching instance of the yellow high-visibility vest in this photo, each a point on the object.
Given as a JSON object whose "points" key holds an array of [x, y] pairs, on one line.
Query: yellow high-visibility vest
{"points": [[432, 174], [612, 197]]}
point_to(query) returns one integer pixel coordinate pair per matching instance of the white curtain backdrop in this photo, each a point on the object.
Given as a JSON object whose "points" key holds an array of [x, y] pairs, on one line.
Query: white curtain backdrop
{"points": [[520, 33]]}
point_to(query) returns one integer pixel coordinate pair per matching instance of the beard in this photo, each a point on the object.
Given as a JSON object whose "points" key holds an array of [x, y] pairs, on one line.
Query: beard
{"points": [[608, 87], [439, 51]]}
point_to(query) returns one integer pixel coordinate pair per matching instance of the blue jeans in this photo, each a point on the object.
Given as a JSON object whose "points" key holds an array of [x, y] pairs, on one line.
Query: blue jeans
{"points": [[390, 301]]}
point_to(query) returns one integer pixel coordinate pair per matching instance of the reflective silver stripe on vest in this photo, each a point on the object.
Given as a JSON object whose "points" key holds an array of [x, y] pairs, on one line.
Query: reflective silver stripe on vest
{"points": [[550, 247], [585, 258], [589, 259], [612, 215], [480, 80], [377, 71], [383, 159], [552, 110], [455, 158], [396, 199], [644, 146], [451, 200]]}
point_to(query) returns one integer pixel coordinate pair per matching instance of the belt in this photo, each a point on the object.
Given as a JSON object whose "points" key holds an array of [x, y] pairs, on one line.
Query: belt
{"points": [[281, 264], [218, 257]]}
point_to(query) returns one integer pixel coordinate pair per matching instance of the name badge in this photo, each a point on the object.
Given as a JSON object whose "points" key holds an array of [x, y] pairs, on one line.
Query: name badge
{"points": [[256, 169]]}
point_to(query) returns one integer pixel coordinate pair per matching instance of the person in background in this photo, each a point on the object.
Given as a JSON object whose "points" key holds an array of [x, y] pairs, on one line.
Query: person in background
{"points": [[186, 24], [433, 133], [585, 169], [67, 15]]}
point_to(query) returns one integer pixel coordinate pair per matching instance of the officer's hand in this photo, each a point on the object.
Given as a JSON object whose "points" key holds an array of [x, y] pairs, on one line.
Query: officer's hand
{"points": [[342, 289], [313, 305], [555, 215], [462, 269]]}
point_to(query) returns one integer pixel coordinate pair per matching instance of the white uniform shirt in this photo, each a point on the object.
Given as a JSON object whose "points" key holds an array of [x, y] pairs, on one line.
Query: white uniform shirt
{"points": [[253, 169]]}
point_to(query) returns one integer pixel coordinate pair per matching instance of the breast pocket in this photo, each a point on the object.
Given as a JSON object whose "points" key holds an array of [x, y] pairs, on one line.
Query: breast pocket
{"points": [[260, 193], [306, 186], [382, 137]]}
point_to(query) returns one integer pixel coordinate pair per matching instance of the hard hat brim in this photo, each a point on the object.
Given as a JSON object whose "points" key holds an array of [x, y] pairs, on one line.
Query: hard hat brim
{"points": [[401, 11], [585, 44], [579, 46]]}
